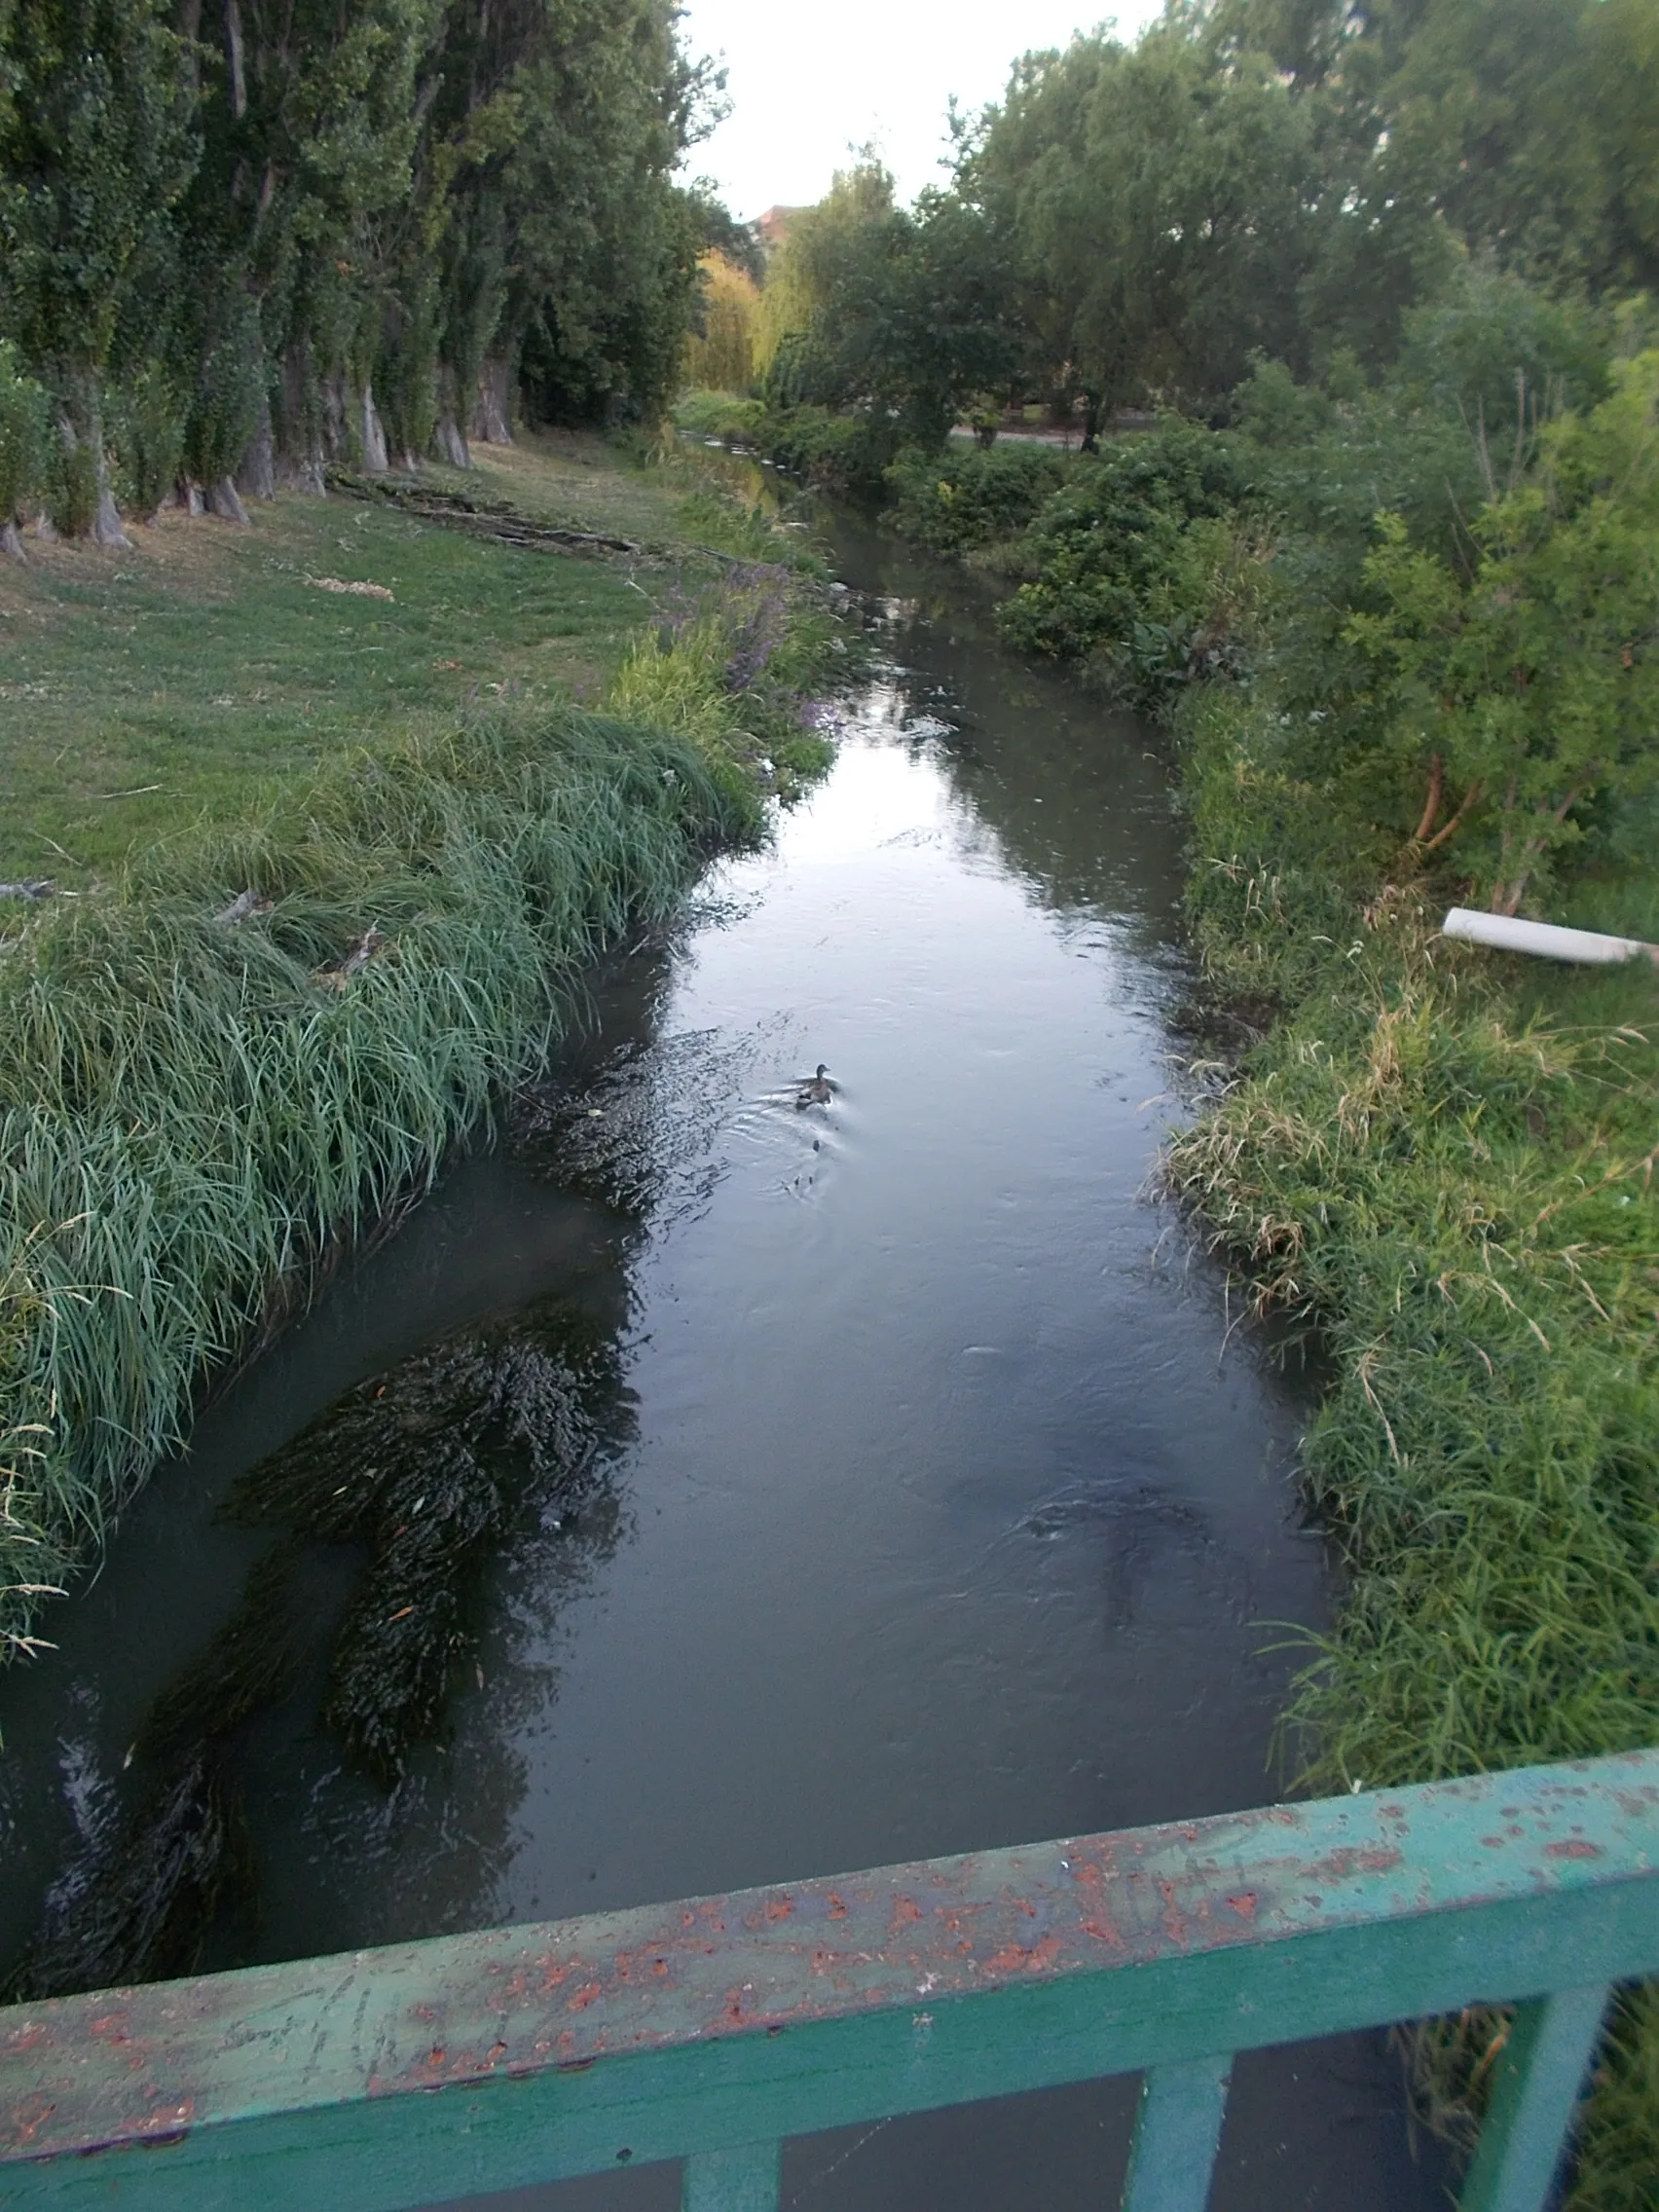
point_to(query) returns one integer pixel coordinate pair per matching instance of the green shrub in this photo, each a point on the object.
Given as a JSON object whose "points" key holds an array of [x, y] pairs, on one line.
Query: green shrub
{"points": [[1120, 583], [72, 484], [718, 414], [969, 496], [25, 437], [147, 435], [836, 453]]}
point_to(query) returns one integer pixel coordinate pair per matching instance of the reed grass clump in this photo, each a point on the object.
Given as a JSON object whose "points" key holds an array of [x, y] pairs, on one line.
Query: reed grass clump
{"points": [[1454, 1183], [192, 1109]]}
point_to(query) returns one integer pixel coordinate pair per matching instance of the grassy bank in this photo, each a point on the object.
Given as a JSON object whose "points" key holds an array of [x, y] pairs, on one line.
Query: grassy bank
{"points": [[1398, 678], [142, 693], [1443, 1164], [229, 1043]]}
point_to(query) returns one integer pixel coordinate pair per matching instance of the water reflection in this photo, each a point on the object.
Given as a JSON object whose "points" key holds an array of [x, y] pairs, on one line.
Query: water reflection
{"points": [[908, 1503]]}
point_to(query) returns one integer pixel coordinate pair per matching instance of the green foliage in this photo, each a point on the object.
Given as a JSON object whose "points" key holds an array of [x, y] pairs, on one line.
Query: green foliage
{"points": [[148, 436], [892, 316], [1531, 677], [719, 415], [1445, 1167], [1162, 207], [1495, 350], [1121, 576], [291, 205], [96, 149], [230, 384], [836, 452], [192, 1110], [972, 496], [72, 481], [25, 437]]}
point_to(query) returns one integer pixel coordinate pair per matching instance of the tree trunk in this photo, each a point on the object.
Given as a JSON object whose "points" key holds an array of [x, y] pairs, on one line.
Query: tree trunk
{"points": [[257, 474], [371, 435], [45, 528], [106, 521], [225, 502], [450, 444], [494, 420], [335, 415], [189, 498], [299, 455], [448, 436], [11, 541], [105, 526]]}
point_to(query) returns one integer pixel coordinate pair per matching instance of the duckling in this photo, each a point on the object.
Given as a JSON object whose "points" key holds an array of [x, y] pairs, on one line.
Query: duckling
{"points": [[818, 1092]]}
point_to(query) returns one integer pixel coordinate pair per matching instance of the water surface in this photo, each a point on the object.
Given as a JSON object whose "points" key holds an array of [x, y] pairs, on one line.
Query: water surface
{"points": [[930, 1502]]}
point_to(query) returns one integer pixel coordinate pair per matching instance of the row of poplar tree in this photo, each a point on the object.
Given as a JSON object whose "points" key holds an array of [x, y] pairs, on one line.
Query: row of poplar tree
{"points": [[241, 239]]}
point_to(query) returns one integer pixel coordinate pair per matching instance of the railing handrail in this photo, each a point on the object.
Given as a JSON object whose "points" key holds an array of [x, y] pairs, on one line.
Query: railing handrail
{"points": [[714, 2027]]}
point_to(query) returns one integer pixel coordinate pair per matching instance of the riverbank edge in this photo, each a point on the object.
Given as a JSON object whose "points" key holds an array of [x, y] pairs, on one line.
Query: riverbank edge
{"points": [[1455, 1193], [1419, 1161], [233, 1060]]}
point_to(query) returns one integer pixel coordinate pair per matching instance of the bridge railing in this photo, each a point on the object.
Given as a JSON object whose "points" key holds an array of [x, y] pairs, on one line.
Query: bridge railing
{"points": [[712, 2029]]}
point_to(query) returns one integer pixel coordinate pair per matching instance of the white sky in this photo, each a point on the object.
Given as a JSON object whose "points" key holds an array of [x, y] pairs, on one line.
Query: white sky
{"points": [[807, 79]]}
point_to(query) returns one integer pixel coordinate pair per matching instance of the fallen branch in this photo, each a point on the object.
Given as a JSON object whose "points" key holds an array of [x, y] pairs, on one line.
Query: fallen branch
{"points": [[339, 974], [242, 908], [493, 519]]}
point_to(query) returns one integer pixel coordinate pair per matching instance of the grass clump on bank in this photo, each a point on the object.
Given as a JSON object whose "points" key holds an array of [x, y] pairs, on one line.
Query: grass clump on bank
{"points": [[243, 1043], [190, 1108], [1446, 1168]]}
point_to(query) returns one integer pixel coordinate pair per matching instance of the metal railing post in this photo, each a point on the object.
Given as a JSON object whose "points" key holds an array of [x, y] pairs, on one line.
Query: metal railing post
{"points": [[746, 2180], [1534, 2100], [1177, 2133]]}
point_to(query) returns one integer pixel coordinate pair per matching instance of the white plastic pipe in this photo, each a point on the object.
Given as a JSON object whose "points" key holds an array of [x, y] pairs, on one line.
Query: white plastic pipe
{"points": [[1545, 939]]}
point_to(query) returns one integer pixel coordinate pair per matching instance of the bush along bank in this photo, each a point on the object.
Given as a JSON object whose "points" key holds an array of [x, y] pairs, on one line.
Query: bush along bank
{"points": [[1406, 661], [251, 1047]]}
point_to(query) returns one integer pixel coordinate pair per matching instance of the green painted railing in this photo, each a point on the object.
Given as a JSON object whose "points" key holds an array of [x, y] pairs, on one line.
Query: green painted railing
{"points": [[712, 2029]]}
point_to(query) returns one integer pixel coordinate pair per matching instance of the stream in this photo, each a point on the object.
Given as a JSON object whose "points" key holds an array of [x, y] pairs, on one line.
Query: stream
{"points": [[875, 1480]]}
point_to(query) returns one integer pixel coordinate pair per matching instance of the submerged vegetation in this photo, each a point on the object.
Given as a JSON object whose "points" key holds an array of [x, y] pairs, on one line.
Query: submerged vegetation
{"points": [[1325, 340]]}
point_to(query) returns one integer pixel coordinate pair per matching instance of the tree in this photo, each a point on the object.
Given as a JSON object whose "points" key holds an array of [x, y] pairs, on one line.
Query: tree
{"points": [[897, 316], [98, 147], [1160, 200], [1529, 687], [720, 357]]}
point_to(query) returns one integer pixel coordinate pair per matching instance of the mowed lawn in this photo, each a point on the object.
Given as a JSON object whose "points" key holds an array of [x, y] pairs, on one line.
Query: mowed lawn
{"points": [[142, 691]]}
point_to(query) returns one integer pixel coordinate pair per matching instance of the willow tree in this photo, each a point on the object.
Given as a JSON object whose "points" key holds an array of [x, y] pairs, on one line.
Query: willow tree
{"points": [[1159, 201], [98, 148], [719, 355]]}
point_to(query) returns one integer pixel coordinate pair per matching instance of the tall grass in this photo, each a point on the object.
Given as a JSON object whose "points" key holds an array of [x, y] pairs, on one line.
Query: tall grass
{"points": [[190, 1109], [1459, 1192]]}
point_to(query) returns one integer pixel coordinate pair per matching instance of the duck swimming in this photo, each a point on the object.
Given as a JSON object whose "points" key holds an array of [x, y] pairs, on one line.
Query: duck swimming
{"points": [[818, 1092]]}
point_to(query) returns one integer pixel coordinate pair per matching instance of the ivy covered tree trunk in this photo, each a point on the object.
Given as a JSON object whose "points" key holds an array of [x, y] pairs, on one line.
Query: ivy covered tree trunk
{"points": [[493, 421], [225, 502], [371, 432], [448, 436], [256, 477], [298, 458], [92, 511]]}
